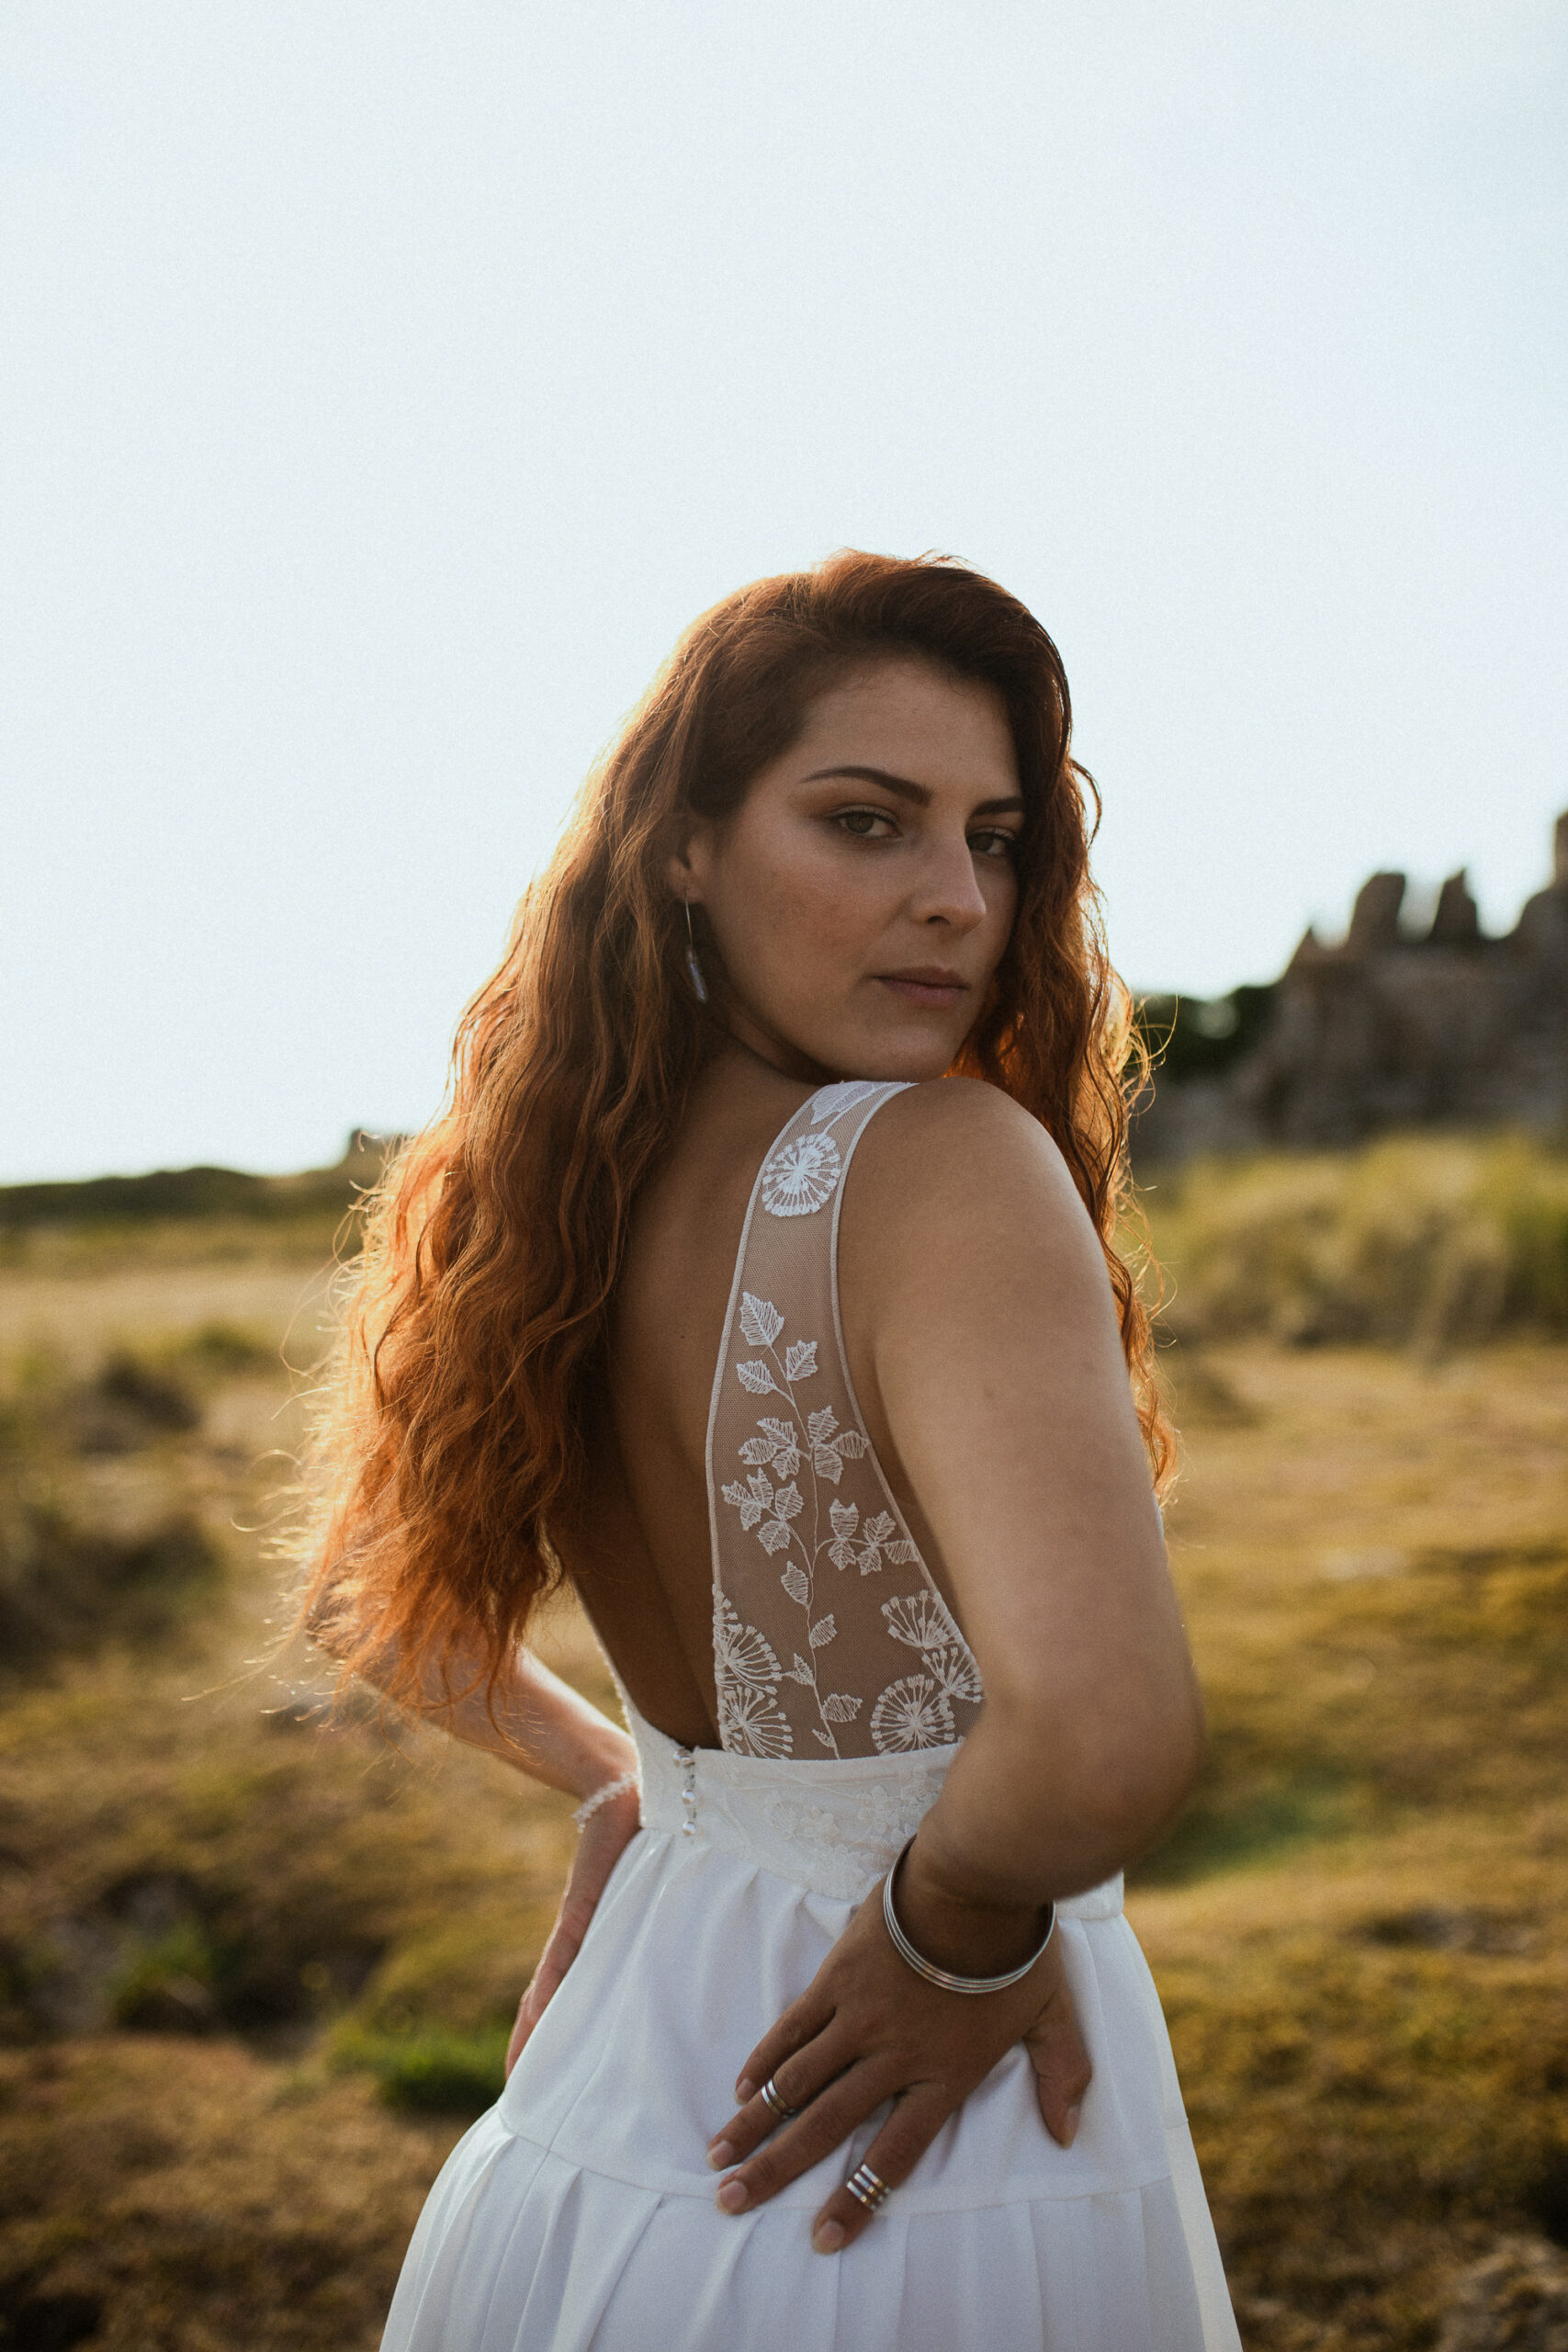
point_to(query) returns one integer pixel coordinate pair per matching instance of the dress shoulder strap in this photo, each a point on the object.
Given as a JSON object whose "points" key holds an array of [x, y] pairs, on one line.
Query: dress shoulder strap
{"points": [[829, 1636]]}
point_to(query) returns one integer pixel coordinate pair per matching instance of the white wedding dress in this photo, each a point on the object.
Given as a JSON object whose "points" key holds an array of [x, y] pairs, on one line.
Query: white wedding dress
{"points": [[580, 2212]]}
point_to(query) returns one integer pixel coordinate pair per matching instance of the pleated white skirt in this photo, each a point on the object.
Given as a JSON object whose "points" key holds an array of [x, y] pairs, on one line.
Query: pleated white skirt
{"points": [[580, 2212]]}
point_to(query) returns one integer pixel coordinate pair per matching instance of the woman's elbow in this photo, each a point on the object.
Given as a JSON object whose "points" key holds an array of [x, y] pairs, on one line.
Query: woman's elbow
{"points": [[1120, 1770], [1173, 1766], [1135, 1778]]}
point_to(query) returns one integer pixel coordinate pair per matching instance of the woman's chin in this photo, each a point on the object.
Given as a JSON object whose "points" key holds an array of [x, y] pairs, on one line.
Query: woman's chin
{"points": [[909, 1055]]}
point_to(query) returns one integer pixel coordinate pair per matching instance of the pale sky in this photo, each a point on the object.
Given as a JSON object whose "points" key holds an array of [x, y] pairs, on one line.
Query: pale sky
{"points": [[382, 388]]}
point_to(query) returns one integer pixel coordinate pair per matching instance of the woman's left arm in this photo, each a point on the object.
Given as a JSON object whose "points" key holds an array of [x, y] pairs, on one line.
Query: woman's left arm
{"points": [[539, 1725], [549, 1731], [543, 1727]]}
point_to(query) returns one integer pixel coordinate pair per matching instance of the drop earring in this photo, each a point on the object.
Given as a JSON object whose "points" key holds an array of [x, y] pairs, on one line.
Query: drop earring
{"points": [[693, 970]]}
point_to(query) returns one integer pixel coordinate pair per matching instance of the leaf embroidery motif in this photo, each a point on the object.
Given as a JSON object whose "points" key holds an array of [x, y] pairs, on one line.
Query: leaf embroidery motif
{"points": [[777, 1451], [761, 1321], [844, 1518], [831, 1101]]}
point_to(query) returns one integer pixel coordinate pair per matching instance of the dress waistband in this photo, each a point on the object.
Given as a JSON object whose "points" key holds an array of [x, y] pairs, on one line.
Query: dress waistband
{"points": [[834, 1827]]}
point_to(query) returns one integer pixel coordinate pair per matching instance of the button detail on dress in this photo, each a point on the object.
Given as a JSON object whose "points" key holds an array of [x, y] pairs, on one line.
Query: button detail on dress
{"points": [[686, 1759]]}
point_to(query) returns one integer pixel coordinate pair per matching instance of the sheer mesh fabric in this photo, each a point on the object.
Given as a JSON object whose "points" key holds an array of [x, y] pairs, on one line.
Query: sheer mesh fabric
{"points": [[829, 1637]]}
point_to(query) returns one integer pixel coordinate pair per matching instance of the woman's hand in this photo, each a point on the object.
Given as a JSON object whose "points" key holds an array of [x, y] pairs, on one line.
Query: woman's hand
{"points": [[604, 1836], [867, 2029]]}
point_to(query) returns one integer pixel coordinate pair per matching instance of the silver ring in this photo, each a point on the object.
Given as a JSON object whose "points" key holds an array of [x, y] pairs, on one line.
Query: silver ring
{"points": [[773, 2100], [867, 2188]]}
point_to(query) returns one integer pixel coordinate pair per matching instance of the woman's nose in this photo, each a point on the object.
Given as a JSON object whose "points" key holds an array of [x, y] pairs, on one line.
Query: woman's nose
{"points": [[948, 888]]}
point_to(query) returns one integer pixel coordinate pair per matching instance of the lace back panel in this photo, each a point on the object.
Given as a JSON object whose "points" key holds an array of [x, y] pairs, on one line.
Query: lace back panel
{"points": [[829, 1637]]}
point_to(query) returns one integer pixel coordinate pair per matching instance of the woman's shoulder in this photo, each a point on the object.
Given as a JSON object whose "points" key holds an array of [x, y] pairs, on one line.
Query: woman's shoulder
{"points": [[959, 1142], [961, 1214]]}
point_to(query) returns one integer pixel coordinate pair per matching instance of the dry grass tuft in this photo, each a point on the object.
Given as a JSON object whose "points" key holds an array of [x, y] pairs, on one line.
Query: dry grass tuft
{"points": [[1415, 1241]]}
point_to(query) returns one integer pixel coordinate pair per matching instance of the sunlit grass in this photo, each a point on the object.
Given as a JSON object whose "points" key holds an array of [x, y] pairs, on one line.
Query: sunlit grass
{"points": [[258, 1965]]}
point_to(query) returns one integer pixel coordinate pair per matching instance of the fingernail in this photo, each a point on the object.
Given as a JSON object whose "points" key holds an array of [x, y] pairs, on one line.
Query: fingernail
{"points": [[1070, 2126], [732, 2196], [721, 2155], [828, 2236], [744, 2089]]}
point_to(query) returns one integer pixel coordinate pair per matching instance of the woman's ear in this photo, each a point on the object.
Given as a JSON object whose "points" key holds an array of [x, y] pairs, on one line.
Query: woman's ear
{"points": [[685, 868]]}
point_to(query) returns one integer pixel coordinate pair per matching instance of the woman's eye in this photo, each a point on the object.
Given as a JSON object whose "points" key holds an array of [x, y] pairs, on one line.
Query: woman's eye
{"points": [[862, 823], [994, 845]]}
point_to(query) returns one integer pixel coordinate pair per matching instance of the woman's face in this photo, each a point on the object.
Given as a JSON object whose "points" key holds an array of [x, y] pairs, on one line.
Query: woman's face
{"points": [[863, 894]]}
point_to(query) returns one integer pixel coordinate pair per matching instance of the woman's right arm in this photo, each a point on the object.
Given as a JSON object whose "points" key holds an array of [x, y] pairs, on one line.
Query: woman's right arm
{"points": [[978, 1284]]}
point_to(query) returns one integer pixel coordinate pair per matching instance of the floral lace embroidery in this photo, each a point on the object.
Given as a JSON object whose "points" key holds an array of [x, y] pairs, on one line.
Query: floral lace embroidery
{"points": [[831, 1102], [914, 1710], [923, 1622], [747, 1671], [852, 1844], [801, 1175]]}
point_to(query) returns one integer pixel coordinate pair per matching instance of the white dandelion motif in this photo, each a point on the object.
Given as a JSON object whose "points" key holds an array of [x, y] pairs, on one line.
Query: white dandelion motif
{"points": [[801, 1175], [750, 1723], [911, 1713], [921, 1620], [741, 1653]]}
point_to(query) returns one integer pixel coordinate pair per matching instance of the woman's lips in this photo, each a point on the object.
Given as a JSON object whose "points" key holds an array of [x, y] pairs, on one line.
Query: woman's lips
{"points": [[938, 990]]}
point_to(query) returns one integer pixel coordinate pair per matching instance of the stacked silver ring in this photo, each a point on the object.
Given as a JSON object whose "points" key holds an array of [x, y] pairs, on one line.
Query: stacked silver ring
{"points": [[867, 2188], [773, 2100]]}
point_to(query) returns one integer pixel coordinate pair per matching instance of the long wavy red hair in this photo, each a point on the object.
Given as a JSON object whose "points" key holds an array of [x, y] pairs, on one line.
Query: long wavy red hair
{"points": [[447, 1437]]}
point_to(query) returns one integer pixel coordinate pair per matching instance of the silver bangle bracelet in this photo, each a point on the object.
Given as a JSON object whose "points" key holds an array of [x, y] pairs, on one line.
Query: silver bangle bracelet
{"points": [[943, 1976], [582, 1813]]}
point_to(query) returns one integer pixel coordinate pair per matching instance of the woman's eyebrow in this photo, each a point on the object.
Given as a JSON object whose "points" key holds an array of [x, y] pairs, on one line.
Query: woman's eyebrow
{"points": [[919, 793]]}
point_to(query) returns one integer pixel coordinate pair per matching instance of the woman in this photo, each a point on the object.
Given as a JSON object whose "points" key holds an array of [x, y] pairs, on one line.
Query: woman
{"points": [[760, 1281]]}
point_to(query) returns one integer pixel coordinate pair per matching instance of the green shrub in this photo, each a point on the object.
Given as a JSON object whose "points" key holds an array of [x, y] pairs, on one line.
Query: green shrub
{"points": [[166, 1987], [432, 2073]]}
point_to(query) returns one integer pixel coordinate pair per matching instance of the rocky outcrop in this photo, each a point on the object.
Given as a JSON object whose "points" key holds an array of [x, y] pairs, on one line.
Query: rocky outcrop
{"points": [[1391, 1027]]}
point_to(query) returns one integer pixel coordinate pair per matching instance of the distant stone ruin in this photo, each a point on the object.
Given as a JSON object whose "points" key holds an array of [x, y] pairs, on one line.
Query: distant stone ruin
{"points": [[1395, 1027]]}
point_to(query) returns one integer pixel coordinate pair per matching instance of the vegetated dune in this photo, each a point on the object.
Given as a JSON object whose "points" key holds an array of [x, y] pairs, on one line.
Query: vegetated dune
{"points": [[257, 1958], [1423, 1241]]}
